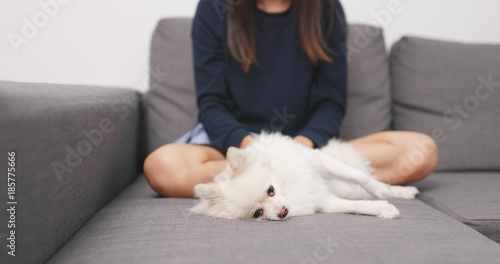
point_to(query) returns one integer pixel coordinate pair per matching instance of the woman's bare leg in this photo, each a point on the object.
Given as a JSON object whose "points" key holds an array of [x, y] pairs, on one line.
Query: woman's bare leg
{"points": [[399, 157], [174, 169]]}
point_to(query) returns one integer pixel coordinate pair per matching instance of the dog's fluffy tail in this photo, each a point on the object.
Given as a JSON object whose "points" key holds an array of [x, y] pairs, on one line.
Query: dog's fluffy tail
{"points": [[348, 154]]}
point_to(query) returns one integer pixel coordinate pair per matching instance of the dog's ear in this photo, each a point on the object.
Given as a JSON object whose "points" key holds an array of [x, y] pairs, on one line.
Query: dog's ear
{"points": [[207, 190], [235, 157]]}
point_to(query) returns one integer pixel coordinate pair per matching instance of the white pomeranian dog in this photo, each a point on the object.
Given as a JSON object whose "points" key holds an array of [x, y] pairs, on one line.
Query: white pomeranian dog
{"points": [[275, 178]]}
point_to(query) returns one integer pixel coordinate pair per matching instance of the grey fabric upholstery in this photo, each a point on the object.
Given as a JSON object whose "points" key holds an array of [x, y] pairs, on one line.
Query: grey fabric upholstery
{"points": [[472, 198], [92, 131], [171, 103], [138, 227], [369, 96], [450, 91]]}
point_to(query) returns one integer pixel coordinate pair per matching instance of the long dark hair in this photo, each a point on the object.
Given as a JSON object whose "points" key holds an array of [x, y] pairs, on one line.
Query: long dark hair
{"points": [[313, 18]]}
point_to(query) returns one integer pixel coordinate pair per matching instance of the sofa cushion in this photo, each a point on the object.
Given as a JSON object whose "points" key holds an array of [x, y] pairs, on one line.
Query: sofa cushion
{"points": [[139, 227], [171, 103], [369, 96], [449, 91], [472, 198], [76, 148]]}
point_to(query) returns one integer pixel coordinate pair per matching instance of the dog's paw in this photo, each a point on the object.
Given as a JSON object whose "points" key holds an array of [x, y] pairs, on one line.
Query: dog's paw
{"points": [[387, 210], [405, 192], [381, 190]]}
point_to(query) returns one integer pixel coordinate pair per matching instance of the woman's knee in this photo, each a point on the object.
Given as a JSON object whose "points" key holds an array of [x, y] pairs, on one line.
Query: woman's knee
{"points": [[431, 151], [164, 170], [421, 157]]}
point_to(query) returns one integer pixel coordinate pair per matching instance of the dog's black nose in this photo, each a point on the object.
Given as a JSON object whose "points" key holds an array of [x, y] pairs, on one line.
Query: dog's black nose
{"points": [[283, 212]]}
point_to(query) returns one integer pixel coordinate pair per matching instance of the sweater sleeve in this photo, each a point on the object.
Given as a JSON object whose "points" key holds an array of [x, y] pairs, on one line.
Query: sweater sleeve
{"points": [[213, 99], [328, 95]]}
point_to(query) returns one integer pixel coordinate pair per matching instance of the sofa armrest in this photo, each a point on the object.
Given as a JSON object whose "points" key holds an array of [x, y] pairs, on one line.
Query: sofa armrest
{"points": [[75, 148]]}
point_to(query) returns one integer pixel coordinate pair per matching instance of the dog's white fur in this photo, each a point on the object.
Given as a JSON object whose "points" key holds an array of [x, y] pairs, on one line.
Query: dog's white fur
{"points": [[333, 179]]}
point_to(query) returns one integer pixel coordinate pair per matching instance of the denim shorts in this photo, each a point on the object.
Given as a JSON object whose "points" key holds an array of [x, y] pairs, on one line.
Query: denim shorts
{"points": [[199, 136]]}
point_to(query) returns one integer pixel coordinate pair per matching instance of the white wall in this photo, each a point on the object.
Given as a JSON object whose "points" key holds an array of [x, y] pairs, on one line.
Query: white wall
{"points": [[469, 21], [107, 42]]}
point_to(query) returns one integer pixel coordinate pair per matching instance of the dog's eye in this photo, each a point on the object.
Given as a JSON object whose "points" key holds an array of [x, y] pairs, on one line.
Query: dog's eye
{"points": [[270, 191], [258, 213]]}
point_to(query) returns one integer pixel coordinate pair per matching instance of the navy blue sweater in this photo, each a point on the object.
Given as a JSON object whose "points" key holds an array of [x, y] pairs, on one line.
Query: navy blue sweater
{"points": [[284, 92]]}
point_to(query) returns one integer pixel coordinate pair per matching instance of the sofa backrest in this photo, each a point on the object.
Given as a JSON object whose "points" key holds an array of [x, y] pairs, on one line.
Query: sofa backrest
{"points": [[369, 96], [451, 92], [171, 104]]}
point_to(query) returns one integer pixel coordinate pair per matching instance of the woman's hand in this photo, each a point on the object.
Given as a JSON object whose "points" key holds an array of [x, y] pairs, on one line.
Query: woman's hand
{"points": [[246, 140], [304, 141]]}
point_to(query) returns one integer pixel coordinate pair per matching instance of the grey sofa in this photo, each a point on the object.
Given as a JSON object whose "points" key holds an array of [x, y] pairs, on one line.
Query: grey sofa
{"points": [[82, 198]]}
